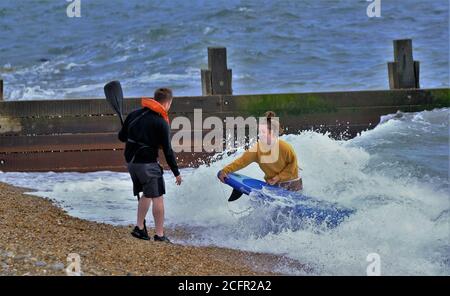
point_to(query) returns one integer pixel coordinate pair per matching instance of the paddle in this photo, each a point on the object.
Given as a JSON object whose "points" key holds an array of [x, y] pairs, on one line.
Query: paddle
{"points": [[114, 96]]}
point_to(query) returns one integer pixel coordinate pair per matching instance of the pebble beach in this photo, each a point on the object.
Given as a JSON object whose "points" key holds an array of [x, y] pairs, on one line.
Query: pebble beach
{"points": [[37, 236]]}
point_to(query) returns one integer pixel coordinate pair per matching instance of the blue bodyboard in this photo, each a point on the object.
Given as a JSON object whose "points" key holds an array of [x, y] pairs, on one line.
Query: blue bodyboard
{"points": [[302, 206]]}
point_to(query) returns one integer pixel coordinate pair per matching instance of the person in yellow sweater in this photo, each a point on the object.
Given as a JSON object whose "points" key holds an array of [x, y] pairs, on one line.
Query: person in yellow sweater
{"points": [[275, 157]]}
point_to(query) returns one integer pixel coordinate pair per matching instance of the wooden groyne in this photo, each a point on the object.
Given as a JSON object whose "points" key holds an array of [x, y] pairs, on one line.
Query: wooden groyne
{"points": [[81, 135]]}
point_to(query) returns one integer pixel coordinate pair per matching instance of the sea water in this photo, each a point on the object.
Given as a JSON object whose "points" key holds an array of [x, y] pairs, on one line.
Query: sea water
{"points": [[273, 46]]}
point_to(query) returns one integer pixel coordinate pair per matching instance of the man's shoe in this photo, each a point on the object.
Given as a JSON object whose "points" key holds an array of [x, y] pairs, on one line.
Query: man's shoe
{"points": [[140, 233], [162, 239]]}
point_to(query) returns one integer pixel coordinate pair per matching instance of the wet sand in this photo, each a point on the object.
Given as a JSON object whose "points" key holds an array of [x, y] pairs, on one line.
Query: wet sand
{"points": [[36, 236]]}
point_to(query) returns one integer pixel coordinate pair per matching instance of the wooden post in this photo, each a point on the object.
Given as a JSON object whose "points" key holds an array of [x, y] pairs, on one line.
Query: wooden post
{"points": [[417, 73], [404, 71], [216, 80], [1, 90]]}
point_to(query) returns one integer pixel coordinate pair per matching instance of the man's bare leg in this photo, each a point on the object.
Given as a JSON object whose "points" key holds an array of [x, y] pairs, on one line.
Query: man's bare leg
{"points": [[143, 206], [158, 215]]}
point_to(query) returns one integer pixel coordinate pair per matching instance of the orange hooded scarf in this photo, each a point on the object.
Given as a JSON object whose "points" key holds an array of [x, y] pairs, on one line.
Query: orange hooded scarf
{"points": [[156, 107]]}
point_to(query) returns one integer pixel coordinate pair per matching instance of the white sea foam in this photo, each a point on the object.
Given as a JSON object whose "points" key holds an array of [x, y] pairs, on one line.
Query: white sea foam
{"points": [[190, 74]]}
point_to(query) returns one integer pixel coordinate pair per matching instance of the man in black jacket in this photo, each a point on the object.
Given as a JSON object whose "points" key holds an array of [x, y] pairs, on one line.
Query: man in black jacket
{"points": [[145, 131]]}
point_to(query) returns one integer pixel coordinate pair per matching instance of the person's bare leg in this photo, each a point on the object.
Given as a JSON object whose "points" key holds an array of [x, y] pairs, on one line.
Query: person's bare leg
{"points": [[158, 215], [143, 206]]}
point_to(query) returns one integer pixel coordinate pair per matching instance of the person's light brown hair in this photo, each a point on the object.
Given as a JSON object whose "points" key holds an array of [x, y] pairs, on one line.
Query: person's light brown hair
{"points": [[163, 95], [272, 122]]}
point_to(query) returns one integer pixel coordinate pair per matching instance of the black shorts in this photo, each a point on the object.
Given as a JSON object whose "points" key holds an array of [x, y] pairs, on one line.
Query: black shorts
{"points": [[147, 178]]}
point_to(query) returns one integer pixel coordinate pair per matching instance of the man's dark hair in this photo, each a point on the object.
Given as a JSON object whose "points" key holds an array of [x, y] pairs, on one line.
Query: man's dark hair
{"points": [[163, 95]]}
